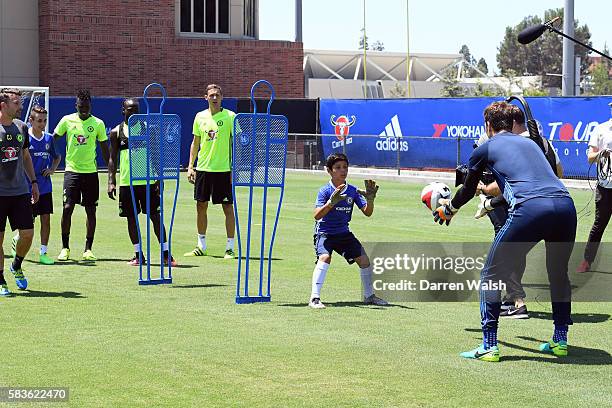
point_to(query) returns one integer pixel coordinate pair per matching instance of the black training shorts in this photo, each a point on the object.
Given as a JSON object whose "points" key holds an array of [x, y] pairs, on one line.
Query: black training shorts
{"points": [[215, 184], [18, 210], [81, 188], [44, 205], [126, 208]]}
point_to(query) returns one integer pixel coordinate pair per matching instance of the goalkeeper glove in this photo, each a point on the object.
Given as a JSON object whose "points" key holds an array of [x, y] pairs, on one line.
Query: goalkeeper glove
{"points": [[337, 196], [370, 190], [484, 207], [444, 212]]}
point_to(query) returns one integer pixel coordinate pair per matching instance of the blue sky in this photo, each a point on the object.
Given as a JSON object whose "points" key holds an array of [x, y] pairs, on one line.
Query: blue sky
{"points": [[435, 26]]}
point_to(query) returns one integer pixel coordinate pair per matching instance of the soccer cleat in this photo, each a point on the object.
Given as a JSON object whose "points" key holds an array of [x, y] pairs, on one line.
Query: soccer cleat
{"points": [[173, 262], [585, 266], [491, 355], [45, 260], [89, 256], [14, 245], [196, 252], [514, 312], [4, 291], [558, 349], [375, 300], [316, 303], [136, 262], [507, 305], [20, 279], [64, 254], [229, 254]]}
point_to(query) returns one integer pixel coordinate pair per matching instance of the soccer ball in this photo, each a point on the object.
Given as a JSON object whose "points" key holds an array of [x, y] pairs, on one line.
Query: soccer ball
{"points": [[433, 192]]}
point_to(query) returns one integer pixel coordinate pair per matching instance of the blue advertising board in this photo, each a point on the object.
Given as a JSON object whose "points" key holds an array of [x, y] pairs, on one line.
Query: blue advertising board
{"points": [[439, 133], [109, 110]]}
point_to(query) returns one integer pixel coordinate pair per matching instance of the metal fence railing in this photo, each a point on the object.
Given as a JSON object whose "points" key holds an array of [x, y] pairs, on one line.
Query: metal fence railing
{"points": [[308, 151]]}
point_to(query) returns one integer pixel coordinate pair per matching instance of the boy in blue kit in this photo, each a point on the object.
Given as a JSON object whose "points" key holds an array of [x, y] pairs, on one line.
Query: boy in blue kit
{"points": [[333, 211], [45, 160]]}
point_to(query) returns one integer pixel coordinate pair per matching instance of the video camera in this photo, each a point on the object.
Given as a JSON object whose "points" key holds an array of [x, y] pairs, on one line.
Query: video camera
{"points": [[461, 173]]}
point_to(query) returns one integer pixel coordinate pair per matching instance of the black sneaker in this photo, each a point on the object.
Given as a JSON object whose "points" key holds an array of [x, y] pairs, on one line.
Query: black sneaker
{"points": [[507, 305], [515, 313]]}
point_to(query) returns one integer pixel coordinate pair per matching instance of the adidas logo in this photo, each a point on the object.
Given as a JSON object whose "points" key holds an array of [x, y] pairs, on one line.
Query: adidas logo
{"points": [[388, 141]]}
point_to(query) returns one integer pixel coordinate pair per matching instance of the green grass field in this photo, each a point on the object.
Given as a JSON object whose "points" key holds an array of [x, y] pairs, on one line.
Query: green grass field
{"points": [[93, 329]]}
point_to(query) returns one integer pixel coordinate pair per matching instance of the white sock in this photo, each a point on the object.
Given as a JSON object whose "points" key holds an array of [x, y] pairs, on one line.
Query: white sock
{"points": [[137, 248], [202, 241], [165, 246], [318, 277], [43, 249], [230, 244], [366, 281]]}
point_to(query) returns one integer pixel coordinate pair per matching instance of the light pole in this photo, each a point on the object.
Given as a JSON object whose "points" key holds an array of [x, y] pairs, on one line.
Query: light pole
{"points": [[365, 76], [408, 65], [567, 87], [298, 20]]}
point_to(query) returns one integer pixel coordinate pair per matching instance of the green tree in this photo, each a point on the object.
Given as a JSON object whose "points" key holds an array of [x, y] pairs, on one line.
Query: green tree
{"points": [[452, 88], [602, 84], [398, 91], [363, 39], [482, 65], [468, 71], [378, 46], [606, 61], [531, 91], [544, 55], [489, 90]]}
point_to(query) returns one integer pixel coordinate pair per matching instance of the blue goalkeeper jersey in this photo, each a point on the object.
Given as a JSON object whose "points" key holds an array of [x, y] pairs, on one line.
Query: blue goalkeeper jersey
{"points": [[43, 153], [520, 168], [337, 220]]}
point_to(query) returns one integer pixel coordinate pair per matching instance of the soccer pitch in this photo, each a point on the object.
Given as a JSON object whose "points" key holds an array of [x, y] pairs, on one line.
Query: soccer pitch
{"points": [[113, 343]]}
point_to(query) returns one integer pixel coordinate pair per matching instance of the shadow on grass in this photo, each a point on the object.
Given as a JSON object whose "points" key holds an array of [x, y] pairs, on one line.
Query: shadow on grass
{"points": [[470, 330], [107, 260], [181, 266], [73, 262], [38, 293], [349, 304], [253, 258], [543, 286], [603, 272], [577, 355], [57, 263], [576, 317], [206, 285]]}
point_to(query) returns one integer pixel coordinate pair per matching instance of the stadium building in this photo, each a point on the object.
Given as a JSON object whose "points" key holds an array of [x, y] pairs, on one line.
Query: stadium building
{"points": [[117, 47]]}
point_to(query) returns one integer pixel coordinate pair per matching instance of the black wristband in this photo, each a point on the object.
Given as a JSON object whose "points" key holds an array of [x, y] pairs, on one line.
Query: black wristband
{"points": [[34, 182]]}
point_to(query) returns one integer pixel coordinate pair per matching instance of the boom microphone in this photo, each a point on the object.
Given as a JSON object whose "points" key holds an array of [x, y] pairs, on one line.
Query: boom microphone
{"points": [[532, 33]]}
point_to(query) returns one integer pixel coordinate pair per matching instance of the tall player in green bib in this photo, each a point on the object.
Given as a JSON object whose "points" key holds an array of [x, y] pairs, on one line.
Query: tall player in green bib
{"points": [[119, 150], [82, 131], [212, 144]]}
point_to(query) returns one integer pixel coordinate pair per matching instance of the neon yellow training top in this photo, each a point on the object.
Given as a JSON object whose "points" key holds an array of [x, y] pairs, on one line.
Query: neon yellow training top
{"points": [[215, 132], [81, 137]]}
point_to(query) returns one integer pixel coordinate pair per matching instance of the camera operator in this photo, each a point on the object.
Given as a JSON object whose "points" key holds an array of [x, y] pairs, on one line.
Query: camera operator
{"points": [[600, 145]]}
